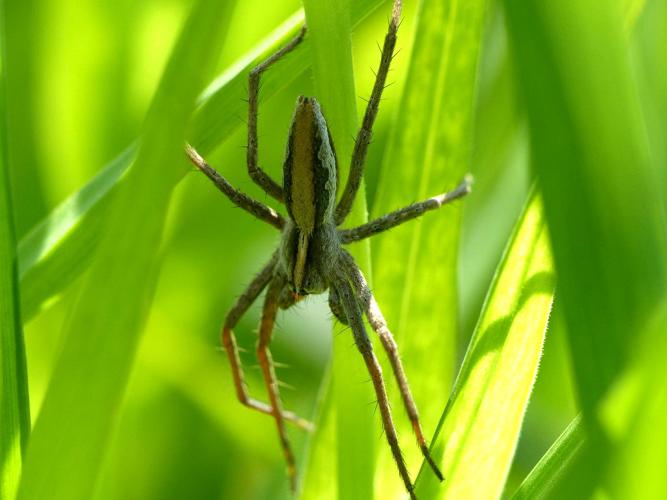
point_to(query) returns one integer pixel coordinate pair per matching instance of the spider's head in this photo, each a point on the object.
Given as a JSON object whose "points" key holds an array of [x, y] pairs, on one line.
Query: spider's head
{"points": [[310, 182]]}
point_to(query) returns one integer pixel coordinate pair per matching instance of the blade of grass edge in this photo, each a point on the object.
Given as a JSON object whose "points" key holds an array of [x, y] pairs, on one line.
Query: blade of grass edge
{"points": [[59, 248], [14, 401], [83, 400], [331, 52], [553, 464], [479, 429], [415, 266]]}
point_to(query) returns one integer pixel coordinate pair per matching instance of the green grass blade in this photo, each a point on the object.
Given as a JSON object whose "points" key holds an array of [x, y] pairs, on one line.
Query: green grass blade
{"points": [[59, 248], [480, 427], [556, 472], [590, 154], [415, 265], [21, 60], [592, 162], [553, 464], [80, 409], [14, 404], [638, 469], [355, 425]]}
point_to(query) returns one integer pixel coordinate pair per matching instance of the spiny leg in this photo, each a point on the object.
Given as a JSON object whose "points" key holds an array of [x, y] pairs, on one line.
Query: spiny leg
{"points": [[379, 325], [365, 133], [405, 214], [270, 381], [259, 210], [350, 305], [229, 343], [256, 173]]}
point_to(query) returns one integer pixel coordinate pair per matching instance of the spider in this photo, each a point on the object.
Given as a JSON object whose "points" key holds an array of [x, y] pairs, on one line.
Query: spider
{"points": [[311, 258]]}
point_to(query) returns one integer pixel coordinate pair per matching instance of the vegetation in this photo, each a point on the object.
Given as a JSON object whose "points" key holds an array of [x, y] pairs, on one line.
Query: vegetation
{"points": [[531, 316]]}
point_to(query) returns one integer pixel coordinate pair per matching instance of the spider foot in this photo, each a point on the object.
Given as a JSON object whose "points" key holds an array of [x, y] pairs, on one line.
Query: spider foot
{"points": [[425, 451], [289, 416], [431, 462], [302, 423], [291, 472]]}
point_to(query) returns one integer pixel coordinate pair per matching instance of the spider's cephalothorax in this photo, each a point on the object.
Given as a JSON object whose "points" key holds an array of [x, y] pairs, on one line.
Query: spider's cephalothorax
{"points": [[311, 257]]}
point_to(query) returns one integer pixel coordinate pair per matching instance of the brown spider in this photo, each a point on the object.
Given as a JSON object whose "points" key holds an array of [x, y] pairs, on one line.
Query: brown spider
{"points": [[311, 258]]}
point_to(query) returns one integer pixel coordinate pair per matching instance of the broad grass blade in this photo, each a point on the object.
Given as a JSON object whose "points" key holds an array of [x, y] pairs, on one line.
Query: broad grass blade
{"points": [[590, 154], [478, 433]]}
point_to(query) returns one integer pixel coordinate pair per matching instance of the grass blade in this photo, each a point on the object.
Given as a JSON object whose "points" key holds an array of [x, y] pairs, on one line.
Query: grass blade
{"points": [[637, 470], [60, 247], [86, 389], [415, 266], [14, 404], [478, 433], [553, 464], [591, 158], [354, 422], [586, 133]]}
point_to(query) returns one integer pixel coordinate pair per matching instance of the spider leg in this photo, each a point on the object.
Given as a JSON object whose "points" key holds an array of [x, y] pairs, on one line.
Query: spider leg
{"points": [[379, 325], [229, 343], [258, 175], [350, 305], [363, 138], [270, 381], [405, 214], [259, 210]]}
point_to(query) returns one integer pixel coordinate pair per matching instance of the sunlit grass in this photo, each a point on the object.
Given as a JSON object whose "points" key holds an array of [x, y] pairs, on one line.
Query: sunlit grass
{"points": [[587, 102]]}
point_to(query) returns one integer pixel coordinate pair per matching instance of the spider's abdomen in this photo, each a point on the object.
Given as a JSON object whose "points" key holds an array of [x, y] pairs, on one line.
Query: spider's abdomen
{"points": [[309, 171]]}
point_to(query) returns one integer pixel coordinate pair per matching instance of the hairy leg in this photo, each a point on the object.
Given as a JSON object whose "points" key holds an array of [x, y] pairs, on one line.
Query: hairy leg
{"points": [[259, 210], [350, 305], [405, 214], [379, 325], [229, 343], [256, 173], [270, 381], [365, 133]]}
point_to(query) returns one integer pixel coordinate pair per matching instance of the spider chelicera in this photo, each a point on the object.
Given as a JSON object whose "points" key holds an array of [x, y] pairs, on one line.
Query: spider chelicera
{"points": [[311, 258]]}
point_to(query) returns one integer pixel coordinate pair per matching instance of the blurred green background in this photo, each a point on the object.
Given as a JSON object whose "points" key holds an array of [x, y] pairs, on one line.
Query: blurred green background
{"points": [[88, 73]]}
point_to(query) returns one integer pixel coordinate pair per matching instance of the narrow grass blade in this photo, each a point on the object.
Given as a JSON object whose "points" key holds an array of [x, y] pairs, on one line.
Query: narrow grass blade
{"points": [[14, 405], [479, 430], [21, 63], [553, 464], [415, 265], [83, 400], [60, 247], [355, 425]]}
